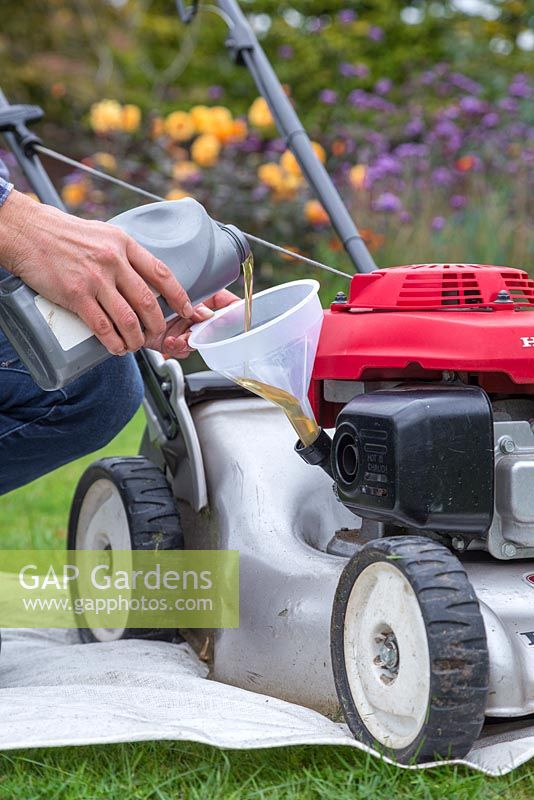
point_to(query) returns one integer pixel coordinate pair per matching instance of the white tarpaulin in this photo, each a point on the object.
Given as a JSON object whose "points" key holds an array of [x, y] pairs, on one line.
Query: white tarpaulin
{"points": [[55, 691]]}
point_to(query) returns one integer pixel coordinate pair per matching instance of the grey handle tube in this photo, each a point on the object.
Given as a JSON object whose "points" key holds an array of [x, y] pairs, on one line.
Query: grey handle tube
{"points": [[243, 41], [32, 167]]}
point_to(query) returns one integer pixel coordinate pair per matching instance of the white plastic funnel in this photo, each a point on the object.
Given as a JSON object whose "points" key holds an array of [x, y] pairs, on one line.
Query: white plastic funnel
{"points": [[280, 348]]}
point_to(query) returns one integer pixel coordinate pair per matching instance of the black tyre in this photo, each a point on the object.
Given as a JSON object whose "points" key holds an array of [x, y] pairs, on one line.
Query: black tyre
{"points": [[409, 650], [121, 504]]}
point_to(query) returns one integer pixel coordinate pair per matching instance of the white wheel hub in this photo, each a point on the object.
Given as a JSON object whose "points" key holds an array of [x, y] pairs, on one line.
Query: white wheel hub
{"points": [[103, 525], [386, 655]]}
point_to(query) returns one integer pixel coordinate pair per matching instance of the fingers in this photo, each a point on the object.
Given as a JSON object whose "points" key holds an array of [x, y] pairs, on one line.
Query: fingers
{"points": [[177, 346], [221, 300], [156, 274], [124, 317], [200, 314], [96, 318], [143, 301]]}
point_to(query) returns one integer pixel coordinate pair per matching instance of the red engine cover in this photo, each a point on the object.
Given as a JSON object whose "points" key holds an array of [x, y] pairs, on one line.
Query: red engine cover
{"points": [[418, 321]]}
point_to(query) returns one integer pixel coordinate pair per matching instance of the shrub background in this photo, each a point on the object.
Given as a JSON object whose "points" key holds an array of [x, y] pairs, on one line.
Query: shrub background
{"points": [[424, 113]]}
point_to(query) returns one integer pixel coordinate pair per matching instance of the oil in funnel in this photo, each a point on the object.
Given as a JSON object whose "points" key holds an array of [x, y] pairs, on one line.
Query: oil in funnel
{"points": [[274, 359]]}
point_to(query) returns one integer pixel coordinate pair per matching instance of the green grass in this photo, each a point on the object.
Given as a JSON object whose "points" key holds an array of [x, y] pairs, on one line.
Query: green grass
{"points": [[36, 516]]}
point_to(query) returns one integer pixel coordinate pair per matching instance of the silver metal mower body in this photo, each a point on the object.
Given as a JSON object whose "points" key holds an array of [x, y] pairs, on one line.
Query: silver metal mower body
{"points": [[241, 486]]}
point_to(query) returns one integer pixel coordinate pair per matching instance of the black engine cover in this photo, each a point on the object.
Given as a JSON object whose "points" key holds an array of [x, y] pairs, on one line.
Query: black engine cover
{"points": [[421, 457]]}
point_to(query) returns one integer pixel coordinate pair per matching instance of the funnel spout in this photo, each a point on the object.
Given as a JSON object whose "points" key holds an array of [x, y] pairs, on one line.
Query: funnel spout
{"points": [[318, 453]]}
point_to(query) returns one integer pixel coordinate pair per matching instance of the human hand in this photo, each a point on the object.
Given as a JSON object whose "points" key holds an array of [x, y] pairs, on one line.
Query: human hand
{"points": [[91, 268], [176, 340]]}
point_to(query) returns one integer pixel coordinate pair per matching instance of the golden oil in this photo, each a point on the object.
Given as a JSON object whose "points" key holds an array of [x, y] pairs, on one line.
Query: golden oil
{"points": [[248, 277], [306, 427]]}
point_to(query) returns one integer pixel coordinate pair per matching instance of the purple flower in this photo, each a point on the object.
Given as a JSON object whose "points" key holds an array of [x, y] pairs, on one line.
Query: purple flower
{"points": [[73, 177], [353, 70], [382, 86], [458, 201], [252, 144], [438, 223], [276, 146], [215, 92], [286, 52], [472, 105], [315, 24], [441, 176], [388, 165], [465, 84], [365, 100], [451, 112], [260, 192], [411, 150], [520, 86], [446, 129], [328, 97], [414, 127], [490, 120], [387, 202], [405, 217], [508, 104], [375, 34], [346, 16]]}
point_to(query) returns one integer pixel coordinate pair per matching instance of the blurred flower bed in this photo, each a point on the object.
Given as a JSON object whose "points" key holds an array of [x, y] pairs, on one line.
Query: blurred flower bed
{"points": [[436, 172]]}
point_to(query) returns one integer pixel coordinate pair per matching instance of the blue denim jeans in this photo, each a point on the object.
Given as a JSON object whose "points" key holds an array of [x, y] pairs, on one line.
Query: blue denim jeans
{"points": [[40, 431]]}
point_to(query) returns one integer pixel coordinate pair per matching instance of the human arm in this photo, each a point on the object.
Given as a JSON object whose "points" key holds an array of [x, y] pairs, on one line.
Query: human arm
{"points": [[93, 269]]}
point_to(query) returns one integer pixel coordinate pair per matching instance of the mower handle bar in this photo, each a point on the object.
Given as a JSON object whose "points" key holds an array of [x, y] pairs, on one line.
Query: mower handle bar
{"points": [[245, 48]]}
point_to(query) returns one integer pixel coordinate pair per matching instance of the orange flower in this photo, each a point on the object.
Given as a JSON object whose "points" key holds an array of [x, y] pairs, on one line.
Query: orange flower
{"points": [[73, 194], [289, 187], [239, 130], [335, 244], [184, 170], [372, 239], [338, 147], [58, 89], [293, 250], [131, 118], [205, 150], [106, 116], [105, 161], [219, 114], [290, 163], [271, 175], [465, 163], [179, 126], [157, 127], [357, 176], [315, 213], [259, 114], [200, 116], [176, 194]]}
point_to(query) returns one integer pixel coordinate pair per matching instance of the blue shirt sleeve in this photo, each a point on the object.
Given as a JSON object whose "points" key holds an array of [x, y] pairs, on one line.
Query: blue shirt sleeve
{"points": [[5, 189], [4, 172], [5, 186]]}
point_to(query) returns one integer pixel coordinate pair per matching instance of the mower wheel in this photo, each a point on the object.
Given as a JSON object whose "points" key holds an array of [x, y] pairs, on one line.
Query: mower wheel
{"points": [[124, 504], [409, 650]]}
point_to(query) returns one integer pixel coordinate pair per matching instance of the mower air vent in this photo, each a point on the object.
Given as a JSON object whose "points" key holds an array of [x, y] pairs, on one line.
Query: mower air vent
{"points": [[440, 285], [437, 287]]}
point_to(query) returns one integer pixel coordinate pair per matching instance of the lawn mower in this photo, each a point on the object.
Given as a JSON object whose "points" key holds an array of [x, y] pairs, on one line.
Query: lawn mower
{"points": [[386, 569]]}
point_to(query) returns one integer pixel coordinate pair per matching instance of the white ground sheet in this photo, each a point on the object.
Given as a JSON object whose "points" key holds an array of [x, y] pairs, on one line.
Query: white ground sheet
{"points": [[55, 691]]}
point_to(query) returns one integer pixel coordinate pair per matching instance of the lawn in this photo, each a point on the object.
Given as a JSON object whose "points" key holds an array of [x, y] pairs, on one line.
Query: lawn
{"points": [[36, 516]]}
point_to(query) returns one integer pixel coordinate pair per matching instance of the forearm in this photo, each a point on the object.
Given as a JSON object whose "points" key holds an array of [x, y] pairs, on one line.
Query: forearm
{"points": [[15, 213]]}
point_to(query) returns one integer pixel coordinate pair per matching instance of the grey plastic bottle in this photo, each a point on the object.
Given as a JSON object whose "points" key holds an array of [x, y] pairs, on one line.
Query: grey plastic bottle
{"points": [[58, 347]]}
